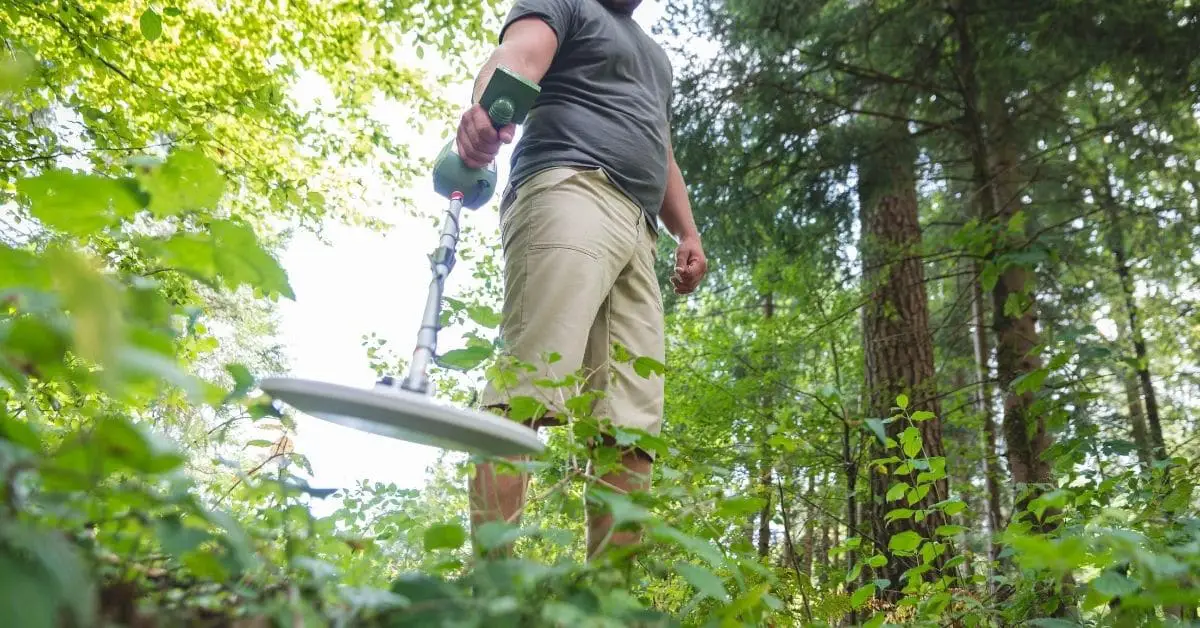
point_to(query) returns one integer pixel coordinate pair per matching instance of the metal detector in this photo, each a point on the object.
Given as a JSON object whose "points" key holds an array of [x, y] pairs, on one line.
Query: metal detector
{"points": [[406, 409]]}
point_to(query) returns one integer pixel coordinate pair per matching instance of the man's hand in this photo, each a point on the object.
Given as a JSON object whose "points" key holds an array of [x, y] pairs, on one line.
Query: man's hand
{"points": [[478, 140], [690, 265]]}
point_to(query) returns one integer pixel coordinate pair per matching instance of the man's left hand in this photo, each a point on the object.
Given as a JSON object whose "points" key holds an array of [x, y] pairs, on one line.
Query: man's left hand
{"points": [[690, 265]]}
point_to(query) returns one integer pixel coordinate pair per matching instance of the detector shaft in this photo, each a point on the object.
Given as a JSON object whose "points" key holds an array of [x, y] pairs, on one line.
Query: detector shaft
{"points": [[442, 262]]}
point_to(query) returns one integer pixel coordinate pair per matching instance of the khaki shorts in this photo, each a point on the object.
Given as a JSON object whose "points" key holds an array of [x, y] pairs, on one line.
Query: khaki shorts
{"points": [[578, 279]]}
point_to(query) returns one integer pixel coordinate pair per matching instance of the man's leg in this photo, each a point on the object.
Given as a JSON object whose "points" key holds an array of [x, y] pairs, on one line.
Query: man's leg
{"points": [[496, 496], [633, 477], [564, 246], [632, 317]]}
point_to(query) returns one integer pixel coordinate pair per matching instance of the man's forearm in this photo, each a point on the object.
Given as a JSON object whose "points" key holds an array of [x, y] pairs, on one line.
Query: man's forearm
{"points": [[528, 48], [485, 74], [677, 209]]}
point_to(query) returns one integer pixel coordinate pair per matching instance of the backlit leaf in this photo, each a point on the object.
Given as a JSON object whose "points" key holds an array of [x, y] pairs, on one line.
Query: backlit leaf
{"points": [[645, 367], [78, 204], [445, 536], [740, 506], [705, 581], [150, 24], [862, 594], [187, 180], [466, 358], [905, 542], [241, 261], [910, 440]]}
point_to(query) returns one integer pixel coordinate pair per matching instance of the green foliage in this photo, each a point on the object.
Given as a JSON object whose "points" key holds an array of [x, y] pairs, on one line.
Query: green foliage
{"points": [[150, 153]]}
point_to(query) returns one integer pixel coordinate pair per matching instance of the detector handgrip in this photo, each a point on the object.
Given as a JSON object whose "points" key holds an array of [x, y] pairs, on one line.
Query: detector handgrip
{"points": [[507, 99]]}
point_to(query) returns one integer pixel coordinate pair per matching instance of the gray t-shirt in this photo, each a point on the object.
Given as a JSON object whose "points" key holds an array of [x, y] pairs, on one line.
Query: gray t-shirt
{"points": [[605, 101]]}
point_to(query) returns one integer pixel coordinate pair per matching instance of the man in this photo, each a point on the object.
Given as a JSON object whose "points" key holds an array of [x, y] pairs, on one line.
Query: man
{"points": [[592, 175]]}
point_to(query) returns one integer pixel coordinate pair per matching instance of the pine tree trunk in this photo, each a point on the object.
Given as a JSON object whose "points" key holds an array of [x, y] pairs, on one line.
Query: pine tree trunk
{"points": [[1137, 420], [994, 159], [810, 528], [1116, 240], [764, 478], [896, 339], [764, 516], [821, 563], [1014, 318]]}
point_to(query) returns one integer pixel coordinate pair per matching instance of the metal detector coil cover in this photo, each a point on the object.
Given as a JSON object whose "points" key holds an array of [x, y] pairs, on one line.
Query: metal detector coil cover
{"points": [[405, 415]]}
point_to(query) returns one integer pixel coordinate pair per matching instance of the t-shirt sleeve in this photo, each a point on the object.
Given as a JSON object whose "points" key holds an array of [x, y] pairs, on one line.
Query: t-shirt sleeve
{"points": [[559, 15]]}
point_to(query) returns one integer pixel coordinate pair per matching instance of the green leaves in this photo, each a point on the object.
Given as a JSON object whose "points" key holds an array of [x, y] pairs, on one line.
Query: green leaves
{"points": [[905, 542], [921, 415], [229, 252], [79, 204], [94, 304], [702, 548], [42, 578], [706, 582], [862, 594], [484, 316], [950, 530], [740, 506], [1111, 584], [150, 24], [877, 427], [645, 367], [241, 261], [466, 358], [445, 536], [910, 441], [524, 408], [186, 181]]}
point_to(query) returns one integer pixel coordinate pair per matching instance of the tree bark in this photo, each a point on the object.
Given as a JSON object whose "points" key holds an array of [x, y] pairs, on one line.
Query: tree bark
{"points": [[764, 478], [1014, 318], [1116, 242], [984, 403], [810, 528], [896, 339], [1137, 420], [994, 159], [764, 516], [821, 562]]}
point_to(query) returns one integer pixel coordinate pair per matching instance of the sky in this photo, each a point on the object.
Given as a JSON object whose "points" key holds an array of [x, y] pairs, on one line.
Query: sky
{"points": [[366, 282]]}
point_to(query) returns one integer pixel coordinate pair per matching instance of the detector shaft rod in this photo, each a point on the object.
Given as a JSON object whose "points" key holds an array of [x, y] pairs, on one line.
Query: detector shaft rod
{"points": [[442, 262]]}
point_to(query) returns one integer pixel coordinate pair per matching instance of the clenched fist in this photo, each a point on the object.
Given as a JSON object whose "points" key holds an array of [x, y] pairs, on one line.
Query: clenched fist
{"points": [[690, 265], [478, 140]]}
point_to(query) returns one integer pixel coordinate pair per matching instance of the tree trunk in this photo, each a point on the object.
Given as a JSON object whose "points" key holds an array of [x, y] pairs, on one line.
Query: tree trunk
{"points": [[896, 339], [984, 404], [810, 528], [1013, 304], [764, 516], [1014, 318], [1137, 420], [821, 561], [764, 478], [1116, 242]]}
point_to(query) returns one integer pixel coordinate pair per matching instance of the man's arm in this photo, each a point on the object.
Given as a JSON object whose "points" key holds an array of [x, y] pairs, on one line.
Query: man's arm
{"points": [[528, 48], [677, 208], [676, 214]]}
